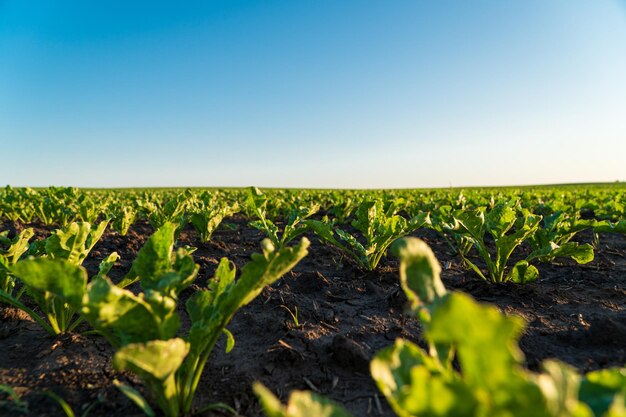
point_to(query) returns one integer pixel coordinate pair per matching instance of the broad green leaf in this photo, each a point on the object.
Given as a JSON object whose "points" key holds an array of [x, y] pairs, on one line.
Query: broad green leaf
{"points": [[224, 276], [580, 253], [471, 222], [57, 276], [129, 318], [523, 273], [419, 272], [74, 242], [157, 358], [19, 246], [500, 219], [486, 340], [155, 257], [324, 231], [265, 269], [351, 240], [415, 384], [618, 227], [199, 305]]}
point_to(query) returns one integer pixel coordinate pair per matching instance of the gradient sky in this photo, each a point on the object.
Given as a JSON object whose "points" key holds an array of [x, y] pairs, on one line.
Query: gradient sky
{"points": [[312, 93]]}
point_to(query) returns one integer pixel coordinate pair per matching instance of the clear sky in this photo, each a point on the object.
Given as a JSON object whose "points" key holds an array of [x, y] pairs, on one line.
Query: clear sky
{"points": [[312, 93]]}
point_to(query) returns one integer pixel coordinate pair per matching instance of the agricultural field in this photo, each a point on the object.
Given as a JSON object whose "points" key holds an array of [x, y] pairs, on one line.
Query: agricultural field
{"points": [[217, 302]]}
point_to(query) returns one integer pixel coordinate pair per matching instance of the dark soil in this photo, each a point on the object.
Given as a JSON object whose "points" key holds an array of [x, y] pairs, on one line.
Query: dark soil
{"points": [[575, 313]]}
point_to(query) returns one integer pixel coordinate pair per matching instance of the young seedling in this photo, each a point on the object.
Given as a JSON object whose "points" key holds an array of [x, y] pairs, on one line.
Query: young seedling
{"points": [[43, 277], [295, 225], [207, 215], [378, 229], [509, 226], [143, 328], [15, 248]]}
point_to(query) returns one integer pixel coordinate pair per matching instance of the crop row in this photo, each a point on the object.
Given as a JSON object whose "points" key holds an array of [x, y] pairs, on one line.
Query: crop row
{"points": [[472, 366], [487, 230]]}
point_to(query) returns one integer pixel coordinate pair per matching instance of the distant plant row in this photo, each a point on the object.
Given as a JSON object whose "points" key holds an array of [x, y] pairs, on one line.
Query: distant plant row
{"points": [[500, 234]]}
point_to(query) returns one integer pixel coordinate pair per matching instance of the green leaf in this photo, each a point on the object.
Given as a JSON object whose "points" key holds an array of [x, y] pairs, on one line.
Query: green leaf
{"points": [[559, 384], [230, 340], [135, 397], [470, 222], [601, 389], [156, 358], [415, 384], [107, 263], [488, 357], [324, 230], [265, 269], [500, 219], [300, 404], [57, 276], [19, 246], [62, 403], [155, 257], [523, 273], [580, 253], [74, 242], [130, 318], [419, 271]]}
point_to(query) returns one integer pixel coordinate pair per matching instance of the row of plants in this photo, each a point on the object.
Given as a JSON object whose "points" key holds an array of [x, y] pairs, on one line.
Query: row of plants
{"points": [[472, 365], [62, 205], [485, 237], [144, 327]]}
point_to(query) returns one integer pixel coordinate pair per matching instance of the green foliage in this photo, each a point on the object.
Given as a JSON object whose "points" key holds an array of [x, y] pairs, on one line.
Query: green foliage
{"points": [[13, 403], [55, 281], [123, 215], [378, 228], [207, 215], [16, 204], [473, 366], [604, 391], [509, 226], [256, 206], [143, 327], [490, 379], [74, 241], [56, 206], [170, 211], [11, 250], [123, 317], [45, 279], [301, 404]]}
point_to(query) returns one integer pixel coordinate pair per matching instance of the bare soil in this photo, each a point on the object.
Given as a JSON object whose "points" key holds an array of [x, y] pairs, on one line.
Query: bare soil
{"points": [[575, 313]]}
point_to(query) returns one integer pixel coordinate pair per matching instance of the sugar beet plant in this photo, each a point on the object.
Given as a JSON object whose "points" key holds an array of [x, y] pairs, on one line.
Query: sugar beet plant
{"points": [[378, 227], [473, 366], [54, 270], [295, 224], [144, 328], [11, 250], [509, 226], [207, 214]]}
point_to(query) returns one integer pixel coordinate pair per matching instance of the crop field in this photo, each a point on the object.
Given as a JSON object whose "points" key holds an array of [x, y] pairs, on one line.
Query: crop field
{"points": [[307, 303]]}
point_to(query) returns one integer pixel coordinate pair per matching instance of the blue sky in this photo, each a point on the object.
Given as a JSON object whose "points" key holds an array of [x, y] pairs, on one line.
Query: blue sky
{"points": [[312, 93]]}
